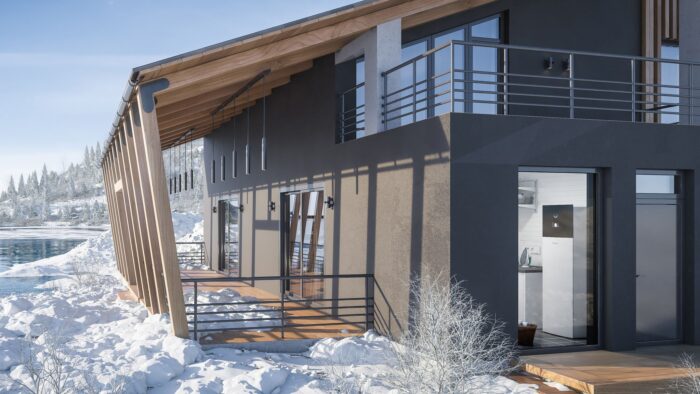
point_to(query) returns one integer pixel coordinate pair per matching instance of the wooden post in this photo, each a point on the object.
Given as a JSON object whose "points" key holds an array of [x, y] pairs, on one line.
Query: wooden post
{"points": [[161, 205], [137, 205], [127, 223], [107, 181], [147, 202]]}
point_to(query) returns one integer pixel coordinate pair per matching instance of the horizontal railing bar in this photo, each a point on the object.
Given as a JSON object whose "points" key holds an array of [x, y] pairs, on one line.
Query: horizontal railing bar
{"points": [[274, 301], [275, 310], [288, 318], [279, 327], [266, 278]]}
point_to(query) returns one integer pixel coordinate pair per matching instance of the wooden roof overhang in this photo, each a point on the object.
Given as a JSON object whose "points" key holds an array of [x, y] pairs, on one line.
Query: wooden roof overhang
{"points": [[199, 82]]}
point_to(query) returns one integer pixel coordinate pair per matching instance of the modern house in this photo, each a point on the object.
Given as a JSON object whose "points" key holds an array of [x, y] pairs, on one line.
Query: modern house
{"points": [[544, 152]]}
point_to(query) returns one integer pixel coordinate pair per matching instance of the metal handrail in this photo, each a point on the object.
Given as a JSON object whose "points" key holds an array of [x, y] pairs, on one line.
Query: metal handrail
{"points": [[537, 49], [641, 101], [281, 305]]}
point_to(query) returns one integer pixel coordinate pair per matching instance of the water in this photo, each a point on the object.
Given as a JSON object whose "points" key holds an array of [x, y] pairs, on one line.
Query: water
{"points": [[19, 246]]}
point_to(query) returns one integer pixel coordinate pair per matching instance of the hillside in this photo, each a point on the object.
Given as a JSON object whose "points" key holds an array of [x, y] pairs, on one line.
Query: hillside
{"points": [[75, 196]]}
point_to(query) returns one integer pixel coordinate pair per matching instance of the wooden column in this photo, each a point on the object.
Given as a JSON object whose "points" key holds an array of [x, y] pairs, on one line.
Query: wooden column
{"points": [[132, 214], [112, 214], [139, 218], [158, 301], [161, 205], [127, 228], [126, 265]]}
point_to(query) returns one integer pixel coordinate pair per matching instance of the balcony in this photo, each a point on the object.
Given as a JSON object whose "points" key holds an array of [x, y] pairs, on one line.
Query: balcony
{"points": [[498, 79]]}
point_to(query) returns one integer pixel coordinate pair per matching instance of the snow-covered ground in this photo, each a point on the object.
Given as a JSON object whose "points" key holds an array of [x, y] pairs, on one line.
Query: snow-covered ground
{"points": [[98, 343]]}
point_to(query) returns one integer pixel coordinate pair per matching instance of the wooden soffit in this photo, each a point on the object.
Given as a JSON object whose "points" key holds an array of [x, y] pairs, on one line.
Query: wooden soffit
{"points": [[202, 80]]}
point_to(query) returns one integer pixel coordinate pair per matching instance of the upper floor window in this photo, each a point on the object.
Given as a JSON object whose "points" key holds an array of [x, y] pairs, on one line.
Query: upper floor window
{"points": [[670, 82], [463, 76], [350, 83]]}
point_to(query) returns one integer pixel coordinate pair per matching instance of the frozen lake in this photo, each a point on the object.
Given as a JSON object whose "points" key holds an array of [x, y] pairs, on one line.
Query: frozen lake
{"points": [[24, 245]]}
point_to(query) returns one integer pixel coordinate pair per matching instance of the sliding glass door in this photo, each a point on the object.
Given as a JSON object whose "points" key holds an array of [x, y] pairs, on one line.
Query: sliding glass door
{"points": [[229, 245]]}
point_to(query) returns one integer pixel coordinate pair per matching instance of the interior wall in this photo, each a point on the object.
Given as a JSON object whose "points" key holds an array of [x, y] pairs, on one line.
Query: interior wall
{"points": [[552, 189]]}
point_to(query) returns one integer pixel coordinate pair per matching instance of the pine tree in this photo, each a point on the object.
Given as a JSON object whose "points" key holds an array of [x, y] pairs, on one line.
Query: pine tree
{"points": [[21, 188], [43, 182], [11, 191]]}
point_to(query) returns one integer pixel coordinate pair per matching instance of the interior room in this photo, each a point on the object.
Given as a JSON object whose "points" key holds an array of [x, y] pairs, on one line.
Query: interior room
{"points": [[556, 258]]}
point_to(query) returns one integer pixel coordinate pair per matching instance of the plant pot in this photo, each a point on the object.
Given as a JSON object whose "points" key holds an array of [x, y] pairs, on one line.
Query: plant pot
{"points": [[526, 334]]}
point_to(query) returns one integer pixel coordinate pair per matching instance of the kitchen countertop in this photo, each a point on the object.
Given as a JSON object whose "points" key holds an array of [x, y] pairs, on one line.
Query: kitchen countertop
{"points": [[532, 268]]}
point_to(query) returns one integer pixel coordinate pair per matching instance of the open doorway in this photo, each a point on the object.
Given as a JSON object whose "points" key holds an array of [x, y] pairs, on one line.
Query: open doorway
{"points": [[303, 243], [556, 261]]}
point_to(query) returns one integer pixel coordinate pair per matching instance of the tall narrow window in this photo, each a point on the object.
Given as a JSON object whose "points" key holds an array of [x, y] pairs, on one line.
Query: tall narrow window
{"points": [[213, 171]]}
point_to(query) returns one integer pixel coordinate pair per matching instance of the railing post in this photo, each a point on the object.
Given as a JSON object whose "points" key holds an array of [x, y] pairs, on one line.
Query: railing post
{"points": [[384, 106], [691, 94], [571, 85], [367, 303], [413, 65], [342, 119], [505, 81], [633, 83], [282, 305], [452, 76], [195, 311]]}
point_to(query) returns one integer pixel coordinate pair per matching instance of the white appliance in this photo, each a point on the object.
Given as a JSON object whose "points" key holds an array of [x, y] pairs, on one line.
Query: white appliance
{"points": [[564, 277]]}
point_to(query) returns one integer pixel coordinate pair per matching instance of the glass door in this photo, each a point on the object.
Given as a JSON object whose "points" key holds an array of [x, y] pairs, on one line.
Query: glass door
{"points": [[303, 241], [229, 252]]}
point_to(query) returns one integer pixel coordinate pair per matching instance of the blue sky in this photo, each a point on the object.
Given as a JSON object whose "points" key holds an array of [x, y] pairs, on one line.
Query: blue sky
{"points": [[64, 64]]}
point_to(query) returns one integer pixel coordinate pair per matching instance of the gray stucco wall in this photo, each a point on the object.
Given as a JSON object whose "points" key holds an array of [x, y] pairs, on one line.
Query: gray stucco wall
{"points": [[486, 154]]}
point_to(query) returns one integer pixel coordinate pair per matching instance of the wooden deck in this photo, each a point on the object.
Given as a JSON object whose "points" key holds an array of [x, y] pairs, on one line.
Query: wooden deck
{"points": [[337, 330], [645, 370]]}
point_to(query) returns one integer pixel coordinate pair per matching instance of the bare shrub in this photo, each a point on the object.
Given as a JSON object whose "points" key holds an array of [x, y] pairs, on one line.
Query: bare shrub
{"points": [[84, 272], [690, 382], [43, 369], [453, 345]]}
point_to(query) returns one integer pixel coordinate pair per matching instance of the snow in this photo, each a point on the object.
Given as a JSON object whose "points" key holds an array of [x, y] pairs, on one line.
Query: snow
{"points": [[111, 345]]}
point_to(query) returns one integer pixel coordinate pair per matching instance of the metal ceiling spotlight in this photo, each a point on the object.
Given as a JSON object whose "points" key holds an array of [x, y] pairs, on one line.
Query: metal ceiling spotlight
{"points": [[548, 63], [330, 202], [170, 169], [234, 152], [247, 143], [187, 143], [179, 167], [263, 142]]}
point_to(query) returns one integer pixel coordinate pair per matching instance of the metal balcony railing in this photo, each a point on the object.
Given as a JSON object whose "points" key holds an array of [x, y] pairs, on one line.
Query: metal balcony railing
{"points": [[190, 253], [351, 306], [491, 78], [352, 113]]}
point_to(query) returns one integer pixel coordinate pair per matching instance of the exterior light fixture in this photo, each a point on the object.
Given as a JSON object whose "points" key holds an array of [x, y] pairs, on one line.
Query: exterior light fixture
{"points": [[271, 206], [548, 63], [330, 202]]}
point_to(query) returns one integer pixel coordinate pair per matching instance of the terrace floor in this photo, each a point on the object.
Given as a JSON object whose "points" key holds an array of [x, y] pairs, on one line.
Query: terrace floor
{"points": [[644, 370], [337, 330]]}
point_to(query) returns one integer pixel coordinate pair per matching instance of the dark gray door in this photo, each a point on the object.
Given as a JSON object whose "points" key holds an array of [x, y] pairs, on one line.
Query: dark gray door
{"points": [[658, 301]]}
